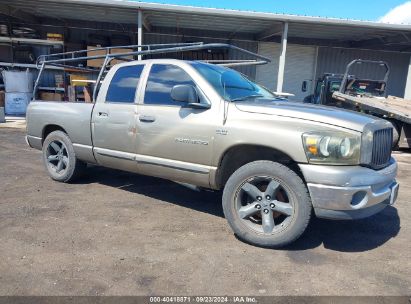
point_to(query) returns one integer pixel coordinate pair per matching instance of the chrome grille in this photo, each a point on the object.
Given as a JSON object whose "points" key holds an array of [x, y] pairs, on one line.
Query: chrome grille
{"points": [[381, 148]]}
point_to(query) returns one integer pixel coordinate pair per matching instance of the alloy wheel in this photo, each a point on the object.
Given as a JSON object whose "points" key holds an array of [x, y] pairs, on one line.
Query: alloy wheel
{"points": [[57, 157], [264, 205]]}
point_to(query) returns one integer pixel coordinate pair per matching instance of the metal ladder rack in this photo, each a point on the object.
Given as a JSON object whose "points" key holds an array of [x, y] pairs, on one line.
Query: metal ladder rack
{"points": [[62, 60]]}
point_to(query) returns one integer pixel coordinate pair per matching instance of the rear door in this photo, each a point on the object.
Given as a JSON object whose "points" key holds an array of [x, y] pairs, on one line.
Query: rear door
{"points": [[114, 118]]}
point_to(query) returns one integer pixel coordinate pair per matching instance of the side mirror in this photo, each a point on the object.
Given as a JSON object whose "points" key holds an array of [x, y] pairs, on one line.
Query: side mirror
{"points": [[187, 93]]}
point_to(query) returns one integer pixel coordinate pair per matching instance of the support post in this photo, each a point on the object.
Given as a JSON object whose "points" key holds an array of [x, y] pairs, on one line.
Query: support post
{"points": [[281, 63], [140, 32], [314, 80], [407, 93]]}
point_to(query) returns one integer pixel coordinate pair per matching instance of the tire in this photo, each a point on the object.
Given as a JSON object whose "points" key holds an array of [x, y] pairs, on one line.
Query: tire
{"points": [[58, 151], [290, 205], [396, 133]]}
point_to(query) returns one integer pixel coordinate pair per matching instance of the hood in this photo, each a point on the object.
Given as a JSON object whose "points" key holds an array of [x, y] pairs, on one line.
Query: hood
{"points": [[328, 115]]}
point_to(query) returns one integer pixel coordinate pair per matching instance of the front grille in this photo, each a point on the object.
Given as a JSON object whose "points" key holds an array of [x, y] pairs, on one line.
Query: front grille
{"points": [[381, 148]]}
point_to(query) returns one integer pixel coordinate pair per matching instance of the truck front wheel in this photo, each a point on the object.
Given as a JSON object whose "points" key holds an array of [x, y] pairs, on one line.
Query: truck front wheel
{"points": [[60, 159], [266, 204]]}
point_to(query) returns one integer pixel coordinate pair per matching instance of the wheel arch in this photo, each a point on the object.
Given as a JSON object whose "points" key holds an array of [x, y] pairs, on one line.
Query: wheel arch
{"points": [[237, 156], [51, 128]]}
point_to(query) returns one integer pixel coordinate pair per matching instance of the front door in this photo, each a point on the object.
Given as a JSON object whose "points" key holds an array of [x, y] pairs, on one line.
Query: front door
{"points": [[114, 119], [174, 141]]}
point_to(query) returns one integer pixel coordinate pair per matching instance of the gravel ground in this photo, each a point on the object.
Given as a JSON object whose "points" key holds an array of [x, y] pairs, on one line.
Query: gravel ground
{"points": [[115, 233]]}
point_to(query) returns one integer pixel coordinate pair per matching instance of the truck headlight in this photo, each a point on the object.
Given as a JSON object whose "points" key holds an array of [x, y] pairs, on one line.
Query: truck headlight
{"points": [[334, 148]]}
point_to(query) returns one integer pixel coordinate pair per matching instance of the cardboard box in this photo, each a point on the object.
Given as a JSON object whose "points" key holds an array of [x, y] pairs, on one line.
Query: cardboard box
{"points": [[55, 36], [51, 96], [97, 63], [120, 51], [16, 103]]}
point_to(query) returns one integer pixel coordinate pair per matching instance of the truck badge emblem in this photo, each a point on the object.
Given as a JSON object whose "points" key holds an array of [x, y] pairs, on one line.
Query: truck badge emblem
{"points": [[221, 132]]}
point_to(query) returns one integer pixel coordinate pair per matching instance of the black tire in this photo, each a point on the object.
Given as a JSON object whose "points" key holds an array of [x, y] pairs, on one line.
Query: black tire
{"points": [[296, 196], [396, 133], [71, 167]]}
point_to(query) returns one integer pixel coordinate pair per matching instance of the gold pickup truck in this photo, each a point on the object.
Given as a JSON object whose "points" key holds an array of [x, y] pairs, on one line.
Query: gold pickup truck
{"points": [[277, 162]]}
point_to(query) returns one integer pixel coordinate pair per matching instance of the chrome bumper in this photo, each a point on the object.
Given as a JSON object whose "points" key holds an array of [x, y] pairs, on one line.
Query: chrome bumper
{"points": [[350, 192]]}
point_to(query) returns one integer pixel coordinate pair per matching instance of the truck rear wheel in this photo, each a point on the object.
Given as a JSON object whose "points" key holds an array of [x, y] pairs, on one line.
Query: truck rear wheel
{"points": [[60, 159], [266, 204]]}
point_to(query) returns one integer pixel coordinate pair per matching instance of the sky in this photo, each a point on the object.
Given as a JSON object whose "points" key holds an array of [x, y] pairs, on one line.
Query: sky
{"points": [[391, 11]]}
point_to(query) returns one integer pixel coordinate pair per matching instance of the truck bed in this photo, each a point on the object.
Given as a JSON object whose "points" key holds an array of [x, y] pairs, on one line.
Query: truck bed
{"points": [[390, 107], [73, 118]]}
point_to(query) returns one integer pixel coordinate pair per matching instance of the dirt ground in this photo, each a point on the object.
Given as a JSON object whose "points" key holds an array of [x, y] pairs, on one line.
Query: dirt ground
{"points": [[115, 233]]}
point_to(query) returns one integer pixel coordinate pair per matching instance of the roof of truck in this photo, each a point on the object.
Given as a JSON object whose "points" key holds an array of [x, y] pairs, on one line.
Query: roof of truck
{"points": [[164, 60]]}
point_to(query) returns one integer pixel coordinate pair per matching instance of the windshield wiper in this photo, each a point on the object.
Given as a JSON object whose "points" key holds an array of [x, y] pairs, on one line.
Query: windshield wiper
{"points": [[247, 97]]}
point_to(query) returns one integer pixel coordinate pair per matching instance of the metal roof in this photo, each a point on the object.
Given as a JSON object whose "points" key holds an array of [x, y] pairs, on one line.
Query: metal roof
{"points": [[233, 21]]}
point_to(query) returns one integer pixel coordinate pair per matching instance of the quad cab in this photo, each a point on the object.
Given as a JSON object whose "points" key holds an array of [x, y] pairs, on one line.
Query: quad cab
{"points": [[278, 163]]}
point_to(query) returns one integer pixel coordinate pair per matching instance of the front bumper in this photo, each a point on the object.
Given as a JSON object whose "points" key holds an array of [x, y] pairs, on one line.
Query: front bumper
{"points": [[350, 192]]}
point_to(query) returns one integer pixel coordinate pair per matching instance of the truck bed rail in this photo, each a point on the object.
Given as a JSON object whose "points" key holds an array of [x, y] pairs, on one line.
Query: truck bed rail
{"points": [[65, 60]]}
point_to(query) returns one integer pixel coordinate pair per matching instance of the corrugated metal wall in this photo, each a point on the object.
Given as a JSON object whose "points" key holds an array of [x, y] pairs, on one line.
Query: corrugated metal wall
{"points": [[335, 60], [299, 67], [158, 38], [267, 74]]}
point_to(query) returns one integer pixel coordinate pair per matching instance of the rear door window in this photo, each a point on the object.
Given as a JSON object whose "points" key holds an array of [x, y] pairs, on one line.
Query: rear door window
{"points": [[123, 86]]}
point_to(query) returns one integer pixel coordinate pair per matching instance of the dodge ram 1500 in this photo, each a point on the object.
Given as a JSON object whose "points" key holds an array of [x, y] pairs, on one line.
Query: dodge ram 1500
{"points": [[277, 162]]}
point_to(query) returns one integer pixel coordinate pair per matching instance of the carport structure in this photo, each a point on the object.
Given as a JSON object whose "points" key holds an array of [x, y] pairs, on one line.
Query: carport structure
{"points": [[302, 48]]}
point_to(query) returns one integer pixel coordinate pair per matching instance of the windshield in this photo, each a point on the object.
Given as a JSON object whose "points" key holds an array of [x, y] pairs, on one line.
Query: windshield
{"points": [[230, 84], [334, 86]]}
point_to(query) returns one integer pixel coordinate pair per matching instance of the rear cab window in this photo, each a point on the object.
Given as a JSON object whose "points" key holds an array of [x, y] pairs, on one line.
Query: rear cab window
{"points": [[123, 85]]}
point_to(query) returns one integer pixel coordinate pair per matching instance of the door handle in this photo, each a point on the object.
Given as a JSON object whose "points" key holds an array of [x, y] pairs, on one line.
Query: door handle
{"points": [[147, 118], [102, 114]]}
